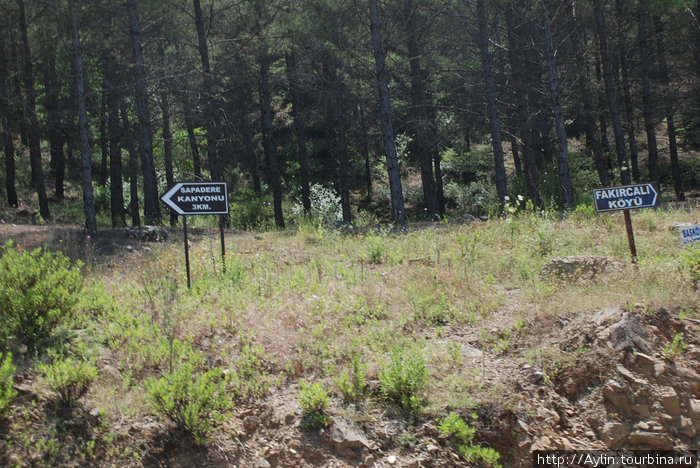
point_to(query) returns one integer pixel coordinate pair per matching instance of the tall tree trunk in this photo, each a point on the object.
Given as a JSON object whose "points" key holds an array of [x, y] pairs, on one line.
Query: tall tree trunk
{"points": [[419, 118], [112, 86], [629, 108], [167, 133], [365, 152], [564, 176], [167, 145], [212, 129], [297, 115], [34, 144], [249, 146], [602, 114], [583, 81], [192, 138], [611, 94], [88, 201], [342, 147], [53, 117], [8, 145], [268, 142], [20, 102], [435, 155], [532, 176], [102, 178], [128, 133], [392, 160], [491, 101], [516, 153], [669, 108], [151, 207], [653, 160]]}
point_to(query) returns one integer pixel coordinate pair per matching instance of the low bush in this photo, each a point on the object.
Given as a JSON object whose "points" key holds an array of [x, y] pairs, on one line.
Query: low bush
{"points": [[314, 400], [403, 377], [352, 385], [40, 291], [460, 435], [191, 399], [690, 264], [69, 379], [7, 392]]}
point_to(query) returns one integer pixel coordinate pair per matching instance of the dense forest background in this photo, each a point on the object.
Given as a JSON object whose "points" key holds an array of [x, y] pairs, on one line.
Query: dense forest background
{"points": [[388, 109]]}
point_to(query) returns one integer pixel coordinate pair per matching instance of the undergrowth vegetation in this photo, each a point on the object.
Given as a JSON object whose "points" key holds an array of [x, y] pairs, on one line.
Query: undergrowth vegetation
{"points": [[341, 310]]}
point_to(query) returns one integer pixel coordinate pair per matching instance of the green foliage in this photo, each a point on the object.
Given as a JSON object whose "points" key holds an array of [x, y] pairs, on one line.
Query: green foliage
{"points": [[40, 291], [690, 263], [353, 384], [69, 378], [403, 377], [7, 392], [676, 347], [192, 399], [460, 435], [249, 379], [374, 247], [467, 166], [314, 400], [325, 204], [431, 307], [250, 211], [476, 197]]}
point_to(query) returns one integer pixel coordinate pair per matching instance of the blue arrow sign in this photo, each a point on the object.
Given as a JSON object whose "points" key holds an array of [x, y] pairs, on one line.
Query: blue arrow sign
{"points": [[627, 197]]}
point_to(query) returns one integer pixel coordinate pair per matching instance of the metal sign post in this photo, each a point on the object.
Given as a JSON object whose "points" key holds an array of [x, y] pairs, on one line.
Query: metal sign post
{"points": [[626, 198], [199, 198]]}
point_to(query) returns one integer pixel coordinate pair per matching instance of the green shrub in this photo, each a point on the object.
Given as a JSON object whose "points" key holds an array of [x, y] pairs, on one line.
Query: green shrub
{"points": [[7, 392], [403, 377], [690, 264], [40, 291], [314, 400], [676, 347], [460, 435], [69, 378], [375, 247], [191, 399], [250, 211], [352, 385]]}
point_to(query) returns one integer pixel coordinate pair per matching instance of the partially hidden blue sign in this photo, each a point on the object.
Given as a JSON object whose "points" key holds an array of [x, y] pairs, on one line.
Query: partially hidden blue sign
{"points": [[627, 197]]}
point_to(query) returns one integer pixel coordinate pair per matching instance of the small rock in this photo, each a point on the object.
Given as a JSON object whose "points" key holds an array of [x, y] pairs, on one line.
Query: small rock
{"points": [[652, 439], [262, 463], [691, 377], [251, 423], [616, 394], [629, 375], [644, 360], [642, 410], [630, 334], [613, 433], [687, 428], [391, 459], [345, 436], [537, 377], [432, 448], [694, 408], [670, 401], [548, 416]]}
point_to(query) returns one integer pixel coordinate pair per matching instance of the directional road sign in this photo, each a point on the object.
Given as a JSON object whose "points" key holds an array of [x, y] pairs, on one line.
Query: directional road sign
{"points": [[627, 197], [689, 233], [197, 198]]}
